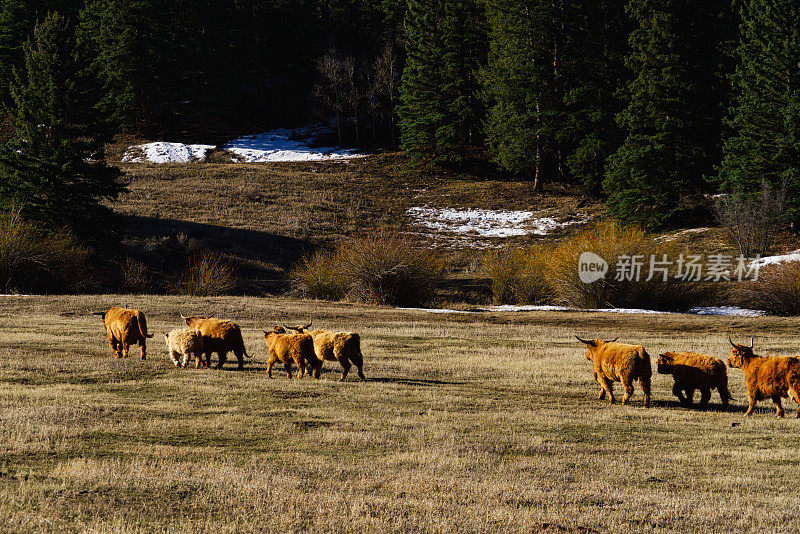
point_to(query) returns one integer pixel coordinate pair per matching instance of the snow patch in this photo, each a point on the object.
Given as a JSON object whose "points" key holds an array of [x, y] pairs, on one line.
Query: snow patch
{"points": [[782, 258], [163, 152], [485, 223], [287, 145], [727, 311]]}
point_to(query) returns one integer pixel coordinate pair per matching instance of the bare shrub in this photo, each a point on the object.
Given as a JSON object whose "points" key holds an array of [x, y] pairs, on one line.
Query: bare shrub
{"points": [[753, 221], [32, 261], [519, 275], [776, 291], [135, 277], [206, 274], [609, 241], [389, 268], [320, 276]]}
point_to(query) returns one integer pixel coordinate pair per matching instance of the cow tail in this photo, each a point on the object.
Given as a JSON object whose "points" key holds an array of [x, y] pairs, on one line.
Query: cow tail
{"points": [[241, 341], [142, 324], [646, 366]]}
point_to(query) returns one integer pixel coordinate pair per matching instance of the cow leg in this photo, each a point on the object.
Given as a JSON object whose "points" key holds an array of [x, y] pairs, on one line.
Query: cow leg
{"points": [[208, 360], [345, 368], [223, 357], [602, 394], [270, 363], [608, 387], [173, 355], [689, 396], [288, 366], [776, 400], [115, 346], [751, 401], [185, 360], [705, 396], [240, 357], [301, 366], [358, 361], [198, 360], [318, 369], [645, 383], [678, 392], [627, 383], [142, 349], [124, 349]]}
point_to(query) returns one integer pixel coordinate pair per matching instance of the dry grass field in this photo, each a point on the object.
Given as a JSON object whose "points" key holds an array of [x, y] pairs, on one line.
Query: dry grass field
{"points": [[468, 422]]}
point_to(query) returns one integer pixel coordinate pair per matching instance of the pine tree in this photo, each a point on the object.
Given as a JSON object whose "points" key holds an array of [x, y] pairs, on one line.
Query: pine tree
{"points": [[595, 45], [672, 119], [440, 109], [524, 87], [765, 116], [54, 167]]}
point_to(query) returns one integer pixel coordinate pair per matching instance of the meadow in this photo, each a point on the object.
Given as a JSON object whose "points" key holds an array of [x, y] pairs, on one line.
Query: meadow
{"points": [[468, 422]]}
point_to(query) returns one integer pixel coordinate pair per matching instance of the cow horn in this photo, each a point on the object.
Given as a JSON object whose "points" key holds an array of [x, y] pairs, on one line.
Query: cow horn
{"points": [[612, 340], [98, 313], [731, 341], [583, 340], [306, 327], [752, 340], [182, 317]]}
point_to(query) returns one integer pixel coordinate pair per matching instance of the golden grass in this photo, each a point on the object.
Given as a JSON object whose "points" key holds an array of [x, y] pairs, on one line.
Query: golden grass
{"points": [[482, 422]]}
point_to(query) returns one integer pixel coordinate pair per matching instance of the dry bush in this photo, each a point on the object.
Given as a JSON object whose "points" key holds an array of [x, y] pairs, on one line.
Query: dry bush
{"points": [[206, 274], [320, 276], [753, 221], [135, 277], [519, 275], [388, 268], [31, 261], [776, 291], [609, 241]]}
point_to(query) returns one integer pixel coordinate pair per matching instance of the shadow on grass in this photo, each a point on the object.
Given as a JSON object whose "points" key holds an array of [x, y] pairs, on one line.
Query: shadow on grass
{"points": [[415, 381], [164, 244]]}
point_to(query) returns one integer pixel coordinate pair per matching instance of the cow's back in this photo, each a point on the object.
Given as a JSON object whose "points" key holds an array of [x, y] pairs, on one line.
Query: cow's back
{"points": [[220, 335], [122, 324], [618, 359]]}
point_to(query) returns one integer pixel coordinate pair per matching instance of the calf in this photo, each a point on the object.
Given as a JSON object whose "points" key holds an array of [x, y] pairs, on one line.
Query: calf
{"points": [[767, 376], [185, 343], [287, 348], [619, 362], [693, 371]]}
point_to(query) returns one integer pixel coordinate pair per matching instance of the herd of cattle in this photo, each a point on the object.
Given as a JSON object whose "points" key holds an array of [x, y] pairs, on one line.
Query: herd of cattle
{"points": [[765, 376], [307, 348]]}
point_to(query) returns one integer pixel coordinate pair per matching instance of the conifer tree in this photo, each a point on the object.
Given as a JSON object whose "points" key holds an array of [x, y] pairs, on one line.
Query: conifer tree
{"points": [[54, 167], [522, 86], [672, 119], [440, 109], [765, 115]]}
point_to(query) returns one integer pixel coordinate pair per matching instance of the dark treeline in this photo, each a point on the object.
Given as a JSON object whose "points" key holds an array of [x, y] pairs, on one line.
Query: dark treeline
{"points": [[651, 104]]}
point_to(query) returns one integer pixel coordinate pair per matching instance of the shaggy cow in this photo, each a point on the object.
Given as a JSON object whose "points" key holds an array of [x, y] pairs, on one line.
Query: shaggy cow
{"points": [[693, 371], [342, 347], [767, 376], [287, 348], [125, 327], [185, 343], [619, 362], [220, 336]]}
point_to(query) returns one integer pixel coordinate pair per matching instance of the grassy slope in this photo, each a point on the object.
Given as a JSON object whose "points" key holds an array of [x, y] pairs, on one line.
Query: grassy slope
{"points": [[264, 216], [468, 423]]}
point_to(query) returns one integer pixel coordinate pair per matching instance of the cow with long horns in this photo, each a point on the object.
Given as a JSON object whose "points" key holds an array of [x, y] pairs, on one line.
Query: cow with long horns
{"points": [[619, 362], [766, 376]]}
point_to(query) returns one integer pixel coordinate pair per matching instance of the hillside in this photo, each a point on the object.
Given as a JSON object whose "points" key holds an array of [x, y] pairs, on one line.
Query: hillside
{"points": [[264, 216]]}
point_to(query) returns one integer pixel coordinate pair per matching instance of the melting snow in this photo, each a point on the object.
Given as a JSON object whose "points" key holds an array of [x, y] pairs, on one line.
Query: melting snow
{"points": [[485, 223], [287, 145], [275, 145], [783, 258], [162, 152]]}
